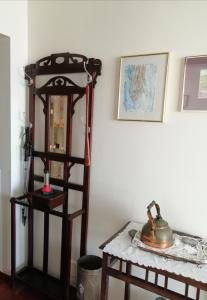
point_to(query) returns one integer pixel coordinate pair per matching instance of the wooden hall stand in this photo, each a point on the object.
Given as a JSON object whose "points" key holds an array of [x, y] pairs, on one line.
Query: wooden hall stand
{"points": [[57, 86], [124, 273]]}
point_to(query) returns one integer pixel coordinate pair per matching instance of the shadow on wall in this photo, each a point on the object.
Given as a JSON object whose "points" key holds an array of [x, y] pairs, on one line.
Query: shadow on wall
{"points": [[106, 218]]}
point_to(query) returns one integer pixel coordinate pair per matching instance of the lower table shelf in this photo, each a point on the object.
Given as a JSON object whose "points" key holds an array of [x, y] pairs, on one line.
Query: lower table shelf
{"points": [[48, 285]]}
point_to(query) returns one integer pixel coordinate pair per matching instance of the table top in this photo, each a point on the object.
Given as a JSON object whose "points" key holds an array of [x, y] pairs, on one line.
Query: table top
{"points": [[119, 245]]}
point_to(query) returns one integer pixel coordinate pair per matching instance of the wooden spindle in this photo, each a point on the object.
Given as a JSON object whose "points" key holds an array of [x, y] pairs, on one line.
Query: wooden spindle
{"points": [[166, 282], [186, 290], [120, 265], [146, 275], [198, 294]]}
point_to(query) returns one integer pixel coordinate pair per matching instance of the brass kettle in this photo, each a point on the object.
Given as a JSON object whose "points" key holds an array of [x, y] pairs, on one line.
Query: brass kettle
{"points": [[156, 232]]}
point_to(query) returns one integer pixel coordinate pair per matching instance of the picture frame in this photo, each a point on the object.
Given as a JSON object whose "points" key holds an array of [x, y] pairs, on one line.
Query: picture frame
{"points": [[142, 87], [194, 92]]}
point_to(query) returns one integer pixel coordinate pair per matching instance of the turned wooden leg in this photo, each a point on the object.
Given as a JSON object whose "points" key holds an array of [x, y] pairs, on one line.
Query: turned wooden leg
{"points": [[127, 285], [105, 278]]}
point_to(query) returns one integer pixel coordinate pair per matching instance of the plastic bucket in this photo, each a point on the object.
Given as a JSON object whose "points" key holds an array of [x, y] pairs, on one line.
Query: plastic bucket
{"points": [[89, 277]]}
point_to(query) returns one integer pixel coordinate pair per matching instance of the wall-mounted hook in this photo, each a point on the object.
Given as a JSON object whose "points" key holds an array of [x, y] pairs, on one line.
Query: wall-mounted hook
{"points": [[29, 79], [89, 75]]}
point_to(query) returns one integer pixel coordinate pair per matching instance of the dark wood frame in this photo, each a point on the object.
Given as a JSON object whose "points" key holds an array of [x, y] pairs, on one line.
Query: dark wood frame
{"points": [[61, 63], [123, 273]]}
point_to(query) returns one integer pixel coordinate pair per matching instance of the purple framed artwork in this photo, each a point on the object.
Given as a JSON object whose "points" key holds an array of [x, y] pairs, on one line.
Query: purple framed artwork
{"points": [[194, 95]]}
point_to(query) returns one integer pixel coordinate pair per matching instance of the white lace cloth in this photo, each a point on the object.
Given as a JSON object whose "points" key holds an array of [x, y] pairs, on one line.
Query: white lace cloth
{"points": [[121, 247]]}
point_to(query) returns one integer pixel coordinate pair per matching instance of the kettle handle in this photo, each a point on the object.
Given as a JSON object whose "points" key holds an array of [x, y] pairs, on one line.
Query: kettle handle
{"points": [[149, 207]]}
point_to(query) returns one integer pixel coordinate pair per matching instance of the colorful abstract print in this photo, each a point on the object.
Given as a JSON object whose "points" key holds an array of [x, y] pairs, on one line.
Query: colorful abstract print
{"points": [[139, 87]]}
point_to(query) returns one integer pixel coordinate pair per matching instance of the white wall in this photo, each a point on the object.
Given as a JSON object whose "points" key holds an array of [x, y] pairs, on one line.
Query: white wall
{"points": [[134, 162], [13, 23], [5, 135]]}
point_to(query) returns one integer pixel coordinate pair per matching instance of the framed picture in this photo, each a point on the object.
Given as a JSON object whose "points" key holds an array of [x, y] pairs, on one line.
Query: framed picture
{"points": [[194, 95], [142, 87]]}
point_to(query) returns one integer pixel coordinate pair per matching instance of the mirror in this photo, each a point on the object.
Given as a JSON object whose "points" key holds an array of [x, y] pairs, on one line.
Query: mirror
{"points": [[57, 132]]}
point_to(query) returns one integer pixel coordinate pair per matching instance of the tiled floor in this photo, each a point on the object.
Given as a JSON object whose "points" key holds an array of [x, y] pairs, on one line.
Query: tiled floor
{"points": [[18, 293]]}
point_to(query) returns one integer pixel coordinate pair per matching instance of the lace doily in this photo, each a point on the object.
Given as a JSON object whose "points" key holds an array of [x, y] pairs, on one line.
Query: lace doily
{"points": [[122, 247]]}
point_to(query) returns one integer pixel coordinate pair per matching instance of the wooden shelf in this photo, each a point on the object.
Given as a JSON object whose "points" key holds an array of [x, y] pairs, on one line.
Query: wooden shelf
{"points": [[46, 284]]}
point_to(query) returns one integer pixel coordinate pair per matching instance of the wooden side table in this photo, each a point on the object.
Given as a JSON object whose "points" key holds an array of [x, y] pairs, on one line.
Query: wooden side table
{"points": [[123, 272]]}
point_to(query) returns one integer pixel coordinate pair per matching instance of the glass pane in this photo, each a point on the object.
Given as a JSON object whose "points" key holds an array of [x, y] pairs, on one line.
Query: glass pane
{"points": [[58, 113], [58, 126], [56, 169], [39, 125]]}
